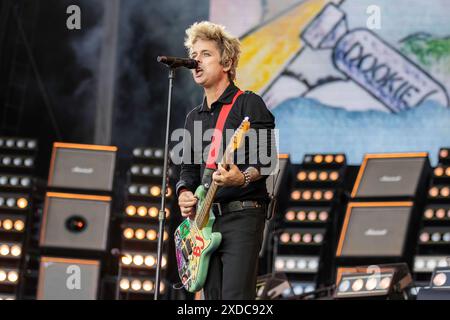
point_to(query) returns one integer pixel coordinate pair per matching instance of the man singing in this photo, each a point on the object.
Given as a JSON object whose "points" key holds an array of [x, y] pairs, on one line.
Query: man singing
{"points": [[240, 203]]}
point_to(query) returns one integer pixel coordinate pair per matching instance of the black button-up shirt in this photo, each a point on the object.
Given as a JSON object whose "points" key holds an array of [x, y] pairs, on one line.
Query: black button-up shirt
{"points": [[194, 154]]}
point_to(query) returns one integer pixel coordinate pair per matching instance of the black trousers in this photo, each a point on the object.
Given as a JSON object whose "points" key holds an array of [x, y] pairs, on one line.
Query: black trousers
{"points": [[234, 265]]}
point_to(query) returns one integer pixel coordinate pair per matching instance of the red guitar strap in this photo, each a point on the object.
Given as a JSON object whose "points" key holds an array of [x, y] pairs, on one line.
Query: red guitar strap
{"points": [[216, 139]]}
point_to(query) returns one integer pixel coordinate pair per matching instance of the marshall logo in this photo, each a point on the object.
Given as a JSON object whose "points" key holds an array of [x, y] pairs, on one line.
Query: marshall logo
{"points": [[82, 170], [390, 179], [375, 232]]}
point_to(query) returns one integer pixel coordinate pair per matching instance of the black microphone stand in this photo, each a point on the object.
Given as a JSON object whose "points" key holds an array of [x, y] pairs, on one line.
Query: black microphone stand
{"points": [[162, 211]]}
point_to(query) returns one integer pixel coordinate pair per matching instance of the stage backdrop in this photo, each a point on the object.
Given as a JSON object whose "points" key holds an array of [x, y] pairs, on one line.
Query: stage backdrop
{"points": [[352, 76]]}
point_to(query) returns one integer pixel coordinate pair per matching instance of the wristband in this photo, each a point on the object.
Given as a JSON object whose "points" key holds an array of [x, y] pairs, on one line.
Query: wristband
{"points": [[247, 178]]}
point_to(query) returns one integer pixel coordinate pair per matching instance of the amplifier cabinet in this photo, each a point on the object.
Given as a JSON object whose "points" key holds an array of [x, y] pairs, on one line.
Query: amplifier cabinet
{"points": [[68, 279], [85, 167], [75, 221], [391, 175], [377, 229]]}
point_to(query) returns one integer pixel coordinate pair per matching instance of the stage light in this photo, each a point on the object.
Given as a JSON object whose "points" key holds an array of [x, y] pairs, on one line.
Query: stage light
{"points": [[444, 155], [144, 211], [139, 232], [14, 181], [435, 235], [130, 210], [290, 216], [147, 285], [302, 237], [147, 171], [138, 260], [441, 280], [151, 235], [323, 216], [136, 285], [434, 192], [128, 233], [439, 287], [16, 161], [22, 203], [301, 176], [150, 261], [142, 260], [318, 158], [127, 259], [153, 212], [312, 195], [317, 195], [296, 264], [124, 284], [18, 143], [310, 215], [155, 191], [10, 250], [296, 237], [438, 172], [143, 190], [13, 276], [437, 213], [296, 195], [19, 225], [426, 264], [7, 296], [140, 285], [9, 276], [324, 159], [439, 192], [357, 285], [147, 190], [312, 176], [298, 288], [149, 153], [7, 224], [14, 201], [389, 280]]}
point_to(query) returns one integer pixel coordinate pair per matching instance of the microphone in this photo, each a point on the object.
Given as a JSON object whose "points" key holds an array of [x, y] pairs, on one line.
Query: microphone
{"points": [[175, 62]]}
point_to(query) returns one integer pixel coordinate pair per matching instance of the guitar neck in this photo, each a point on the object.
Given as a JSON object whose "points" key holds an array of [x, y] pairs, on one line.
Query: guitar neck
{"points": [[203, 216]]}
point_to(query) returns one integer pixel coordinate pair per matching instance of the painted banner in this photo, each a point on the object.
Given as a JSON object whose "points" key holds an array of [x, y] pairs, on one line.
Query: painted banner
{"points": [[351, 76]]}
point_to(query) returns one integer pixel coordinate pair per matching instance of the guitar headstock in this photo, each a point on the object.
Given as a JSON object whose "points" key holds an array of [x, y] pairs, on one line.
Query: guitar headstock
{"points": [[236, 140]]}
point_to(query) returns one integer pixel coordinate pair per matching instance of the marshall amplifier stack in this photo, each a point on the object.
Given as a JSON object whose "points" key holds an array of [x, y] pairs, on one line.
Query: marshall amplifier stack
{"points": [[139, 228], [76, 220], [303, 238], [381, 219], [17, 168], [433, 241]]}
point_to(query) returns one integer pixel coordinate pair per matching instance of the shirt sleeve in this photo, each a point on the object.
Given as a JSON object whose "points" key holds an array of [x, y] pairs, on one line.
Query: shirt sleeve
{"points": [[260, 146], [190, 170]]}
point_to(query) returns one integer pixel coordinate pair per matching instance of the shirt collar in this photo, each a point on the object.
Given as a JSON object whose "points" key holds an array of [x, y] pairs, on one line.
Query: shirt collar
{"points": [[226, 98]]}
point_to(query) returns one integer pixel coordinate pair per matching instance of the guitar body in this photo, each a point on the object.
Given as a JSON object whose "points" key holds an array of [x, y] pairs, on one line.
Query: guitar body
{"points": [[194, 245]]}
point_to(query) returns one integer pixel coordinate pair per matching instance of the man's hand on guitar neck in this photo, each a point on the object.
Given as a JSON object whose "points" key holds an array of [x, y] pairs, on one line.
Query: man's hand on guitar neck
{"points": [[232, 177], [187, 202]]}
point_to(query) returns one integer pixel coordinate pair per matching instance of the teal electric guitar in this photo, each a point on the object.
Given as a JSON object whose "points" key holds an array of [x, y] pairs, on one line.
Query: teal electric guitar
{"points": [[194, 239]]}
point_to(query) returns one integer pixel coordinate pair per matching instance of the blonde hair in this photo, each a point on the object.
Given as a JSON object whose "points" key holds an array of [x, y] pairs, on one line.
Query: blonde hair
{"points": [[229, 46]]}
